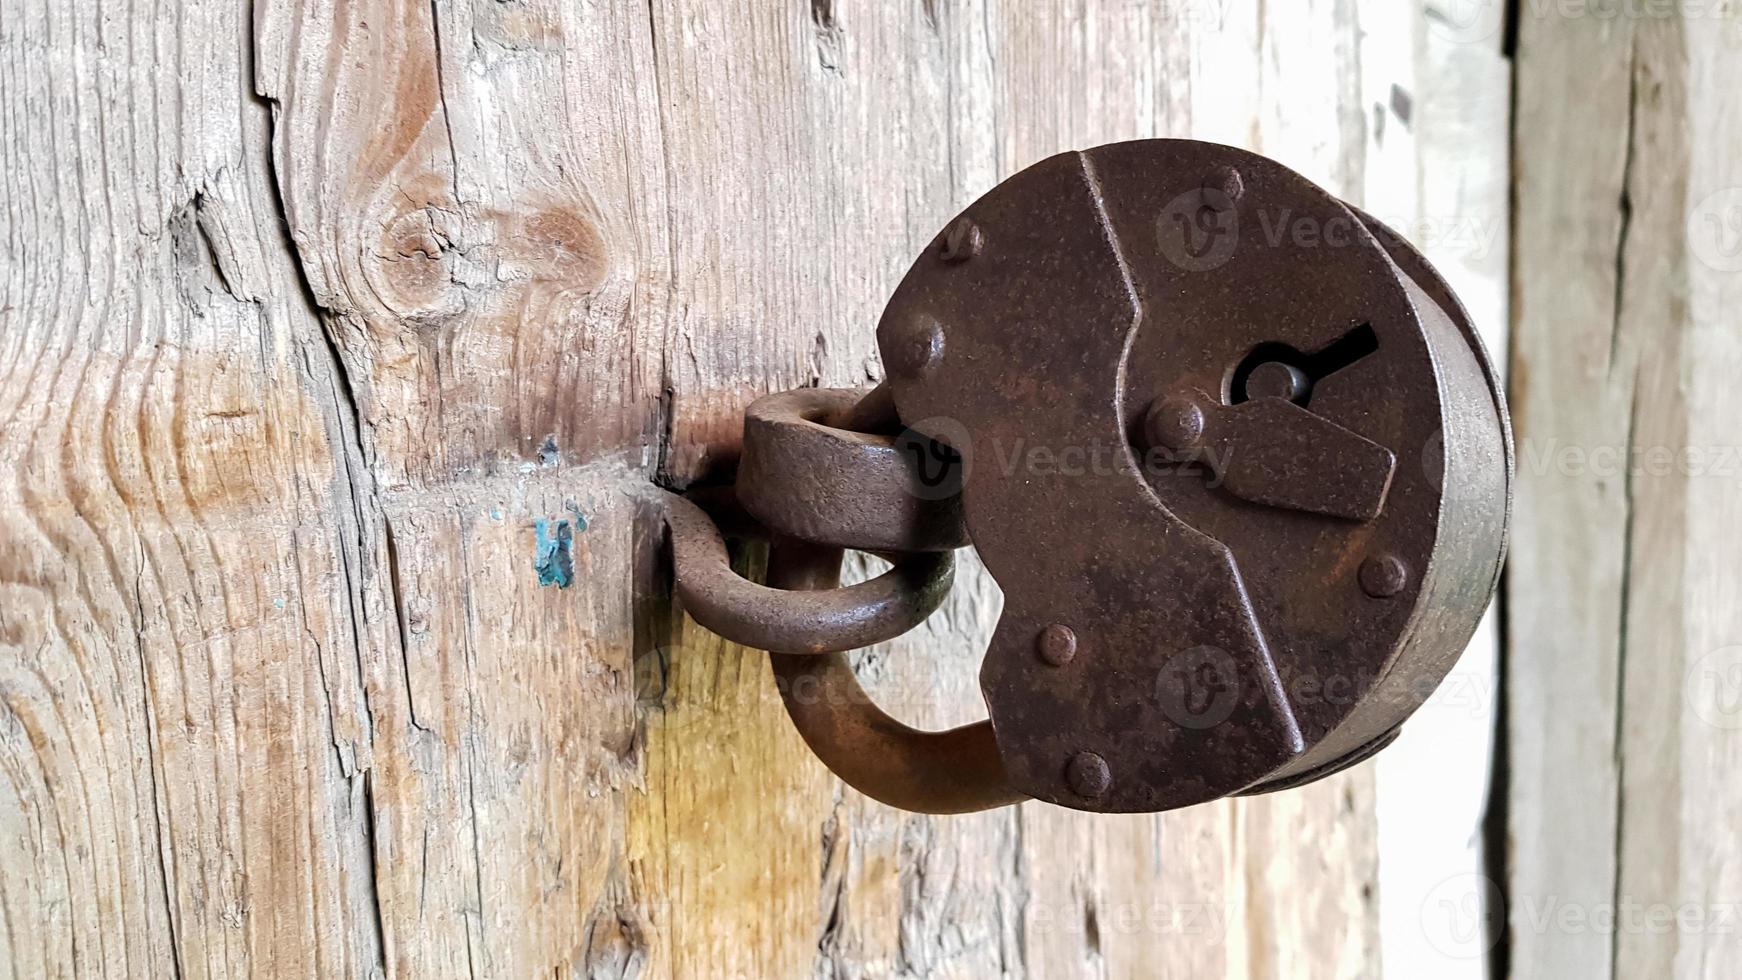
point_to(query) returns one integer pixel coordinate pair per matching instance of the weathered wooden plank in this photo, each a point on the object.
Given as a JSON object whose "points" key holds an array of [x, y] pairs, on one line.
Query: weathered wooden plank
{"points": [[1621, 671], [178, 704], [1573, 381]]}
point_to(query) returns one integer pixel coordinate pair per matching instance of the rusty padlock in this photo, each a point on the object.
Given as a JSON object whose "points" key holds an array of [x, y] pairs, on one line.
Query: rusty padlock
{"points": [[1231, 448]]}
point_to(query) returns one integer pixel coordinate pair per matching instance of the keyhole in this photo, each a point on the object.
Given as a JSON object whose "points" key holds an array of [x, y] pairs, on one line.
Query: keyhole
{"points": [[1275, 368]]}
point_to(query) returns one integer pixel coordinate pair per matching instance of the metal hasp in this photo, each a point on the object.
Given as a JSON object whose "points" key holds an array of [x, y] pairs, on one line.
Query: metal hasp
{"points": [[1231, 448]]}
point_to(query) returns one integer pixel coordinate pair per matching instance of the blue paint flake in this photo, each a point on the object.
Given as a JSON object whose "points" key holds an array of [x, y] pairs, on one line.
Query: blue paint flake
{"points": [[554, 560]]}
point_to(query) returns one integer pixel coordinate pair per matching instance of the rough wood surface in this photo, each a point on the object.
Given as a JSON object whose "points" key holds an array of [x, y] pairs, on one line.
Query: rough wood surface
{"points": [[334, 337], [1624, 674]]}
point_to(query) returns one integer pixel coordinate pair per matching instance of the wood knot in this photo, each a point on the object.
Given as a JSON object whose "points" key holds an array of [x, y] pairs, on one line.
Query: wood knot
{"points": [[416, 274], [561, 245]]}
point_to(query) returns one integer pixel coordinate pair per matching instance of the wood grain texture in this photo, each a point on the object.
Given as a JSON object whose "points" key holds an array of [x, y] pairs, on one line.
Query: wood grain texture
{"points": [[336, 338], [1623, 621]]}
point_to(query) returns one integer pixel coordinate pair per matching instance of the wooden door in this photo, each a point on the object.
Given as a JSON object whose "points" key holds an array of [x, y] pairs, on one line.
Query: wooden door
{"points": [[335, 341]]}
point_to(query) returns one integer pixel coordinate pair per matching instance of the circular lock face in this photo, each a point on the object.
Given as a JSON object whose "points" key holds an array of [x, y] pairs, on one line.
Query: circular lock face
{"points": [[1235, 437]]}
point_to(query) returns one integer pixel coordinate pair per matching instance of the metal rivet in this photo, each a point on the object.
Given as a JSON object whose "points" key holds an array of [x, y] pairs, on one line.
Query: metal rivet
{"points": [[1088, 774], [917, 349], [1383, 576], [1223, 189], [962, 240], [1175, 424], [1274, 379], [1057, 644]]}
